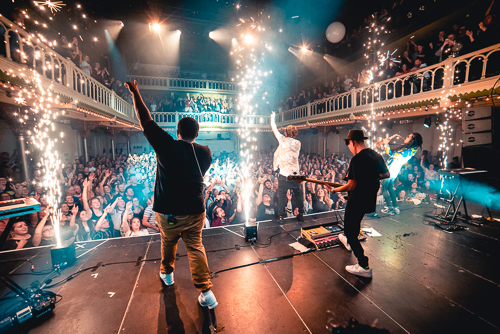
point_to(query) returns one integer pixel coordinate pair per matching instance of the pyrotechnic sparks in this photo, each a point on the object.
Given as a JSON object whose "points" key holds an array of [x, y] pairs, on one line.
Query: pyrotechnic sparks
{"points": [[376, 61], [249, 53], [37, 121], [54, 6], [20, 100]]}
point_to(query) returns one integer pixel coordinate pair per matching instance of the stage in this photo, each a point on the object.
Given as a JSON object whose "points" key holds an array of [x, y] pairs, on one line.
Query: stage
{"points": [[425, 280]]}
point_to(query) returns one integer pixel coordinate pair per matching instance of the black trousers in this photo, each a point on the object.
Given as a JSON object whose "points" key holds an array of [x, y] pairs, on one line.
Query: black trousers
{"points": [[297, 197], [352, 225]]}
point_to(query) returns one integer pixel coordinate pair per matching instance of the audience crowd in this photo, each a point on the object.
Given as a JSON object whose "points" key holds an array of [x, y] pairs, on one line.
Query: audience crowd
{"points": [[184, 103], [107, 198], [456, 40]]}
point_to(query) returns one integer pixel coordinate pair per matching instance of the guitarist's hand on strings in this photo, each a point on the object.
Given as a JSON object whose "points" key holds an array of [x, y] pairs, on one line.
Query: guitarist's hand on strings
{"points": [[330, 188]]}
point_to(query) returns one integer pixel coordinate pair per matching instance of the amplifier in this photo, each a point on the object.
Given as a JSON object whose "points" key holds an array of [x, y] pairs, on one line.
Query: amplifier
{"points": [[476, 113], [475, 139], [477, 125], [325, 235]]}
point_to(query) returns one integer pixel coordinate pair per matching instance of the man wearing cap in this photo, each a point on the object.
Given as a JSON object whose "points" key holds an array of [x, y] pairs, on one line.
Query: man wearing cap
{"points": [[286, 159], [365, 171]]}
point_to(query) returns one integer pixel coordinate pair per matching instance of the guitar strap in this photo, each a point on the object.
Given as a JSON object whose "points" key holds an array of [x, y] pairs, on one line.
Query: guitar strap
{"points": [[192, 145]]}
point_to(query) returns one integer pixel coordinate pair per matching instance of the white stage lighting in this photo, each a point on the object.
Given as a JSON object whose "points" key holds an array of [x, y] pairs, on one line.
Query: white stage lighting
{"points": [[155, 26], [249, 39]]}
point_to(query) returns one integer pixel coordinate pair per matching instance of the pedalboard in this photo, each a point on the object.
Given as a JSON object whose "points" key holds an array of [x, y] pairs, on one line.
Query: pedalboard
{"points": [[325, 235]]}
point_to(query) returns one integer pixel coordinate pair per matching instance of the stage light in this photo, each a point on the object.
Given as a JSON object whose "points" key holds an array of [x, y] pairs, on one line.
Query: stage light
{"points": [[211, 35], [249, 39], [251, 230], [305, 49], [438, 122], [155, 26], [427, 122], [95, 39], [179, 32]]}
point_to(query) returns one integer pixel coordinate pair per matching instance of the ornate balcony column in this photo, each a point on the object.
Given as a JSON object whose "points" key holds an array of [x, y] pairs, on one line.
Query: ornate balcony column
{"points": [[112, 134], [84, 129], [20, 130], [325, 131]]}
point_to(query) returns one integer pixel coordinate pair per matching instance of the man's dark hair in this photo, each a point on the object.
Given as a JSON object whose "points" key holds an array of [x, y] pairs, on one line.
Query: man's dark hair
{"points": [[416, 142], [188, 128]]}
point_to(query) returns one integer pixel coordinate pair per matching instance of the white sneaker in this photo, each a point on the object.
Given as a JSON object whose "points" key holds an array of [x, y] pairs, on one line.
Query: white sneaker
{"points": [[167, 279], [356, 269], [343, 240], [388, 211], [207, 299], [396, 210]]}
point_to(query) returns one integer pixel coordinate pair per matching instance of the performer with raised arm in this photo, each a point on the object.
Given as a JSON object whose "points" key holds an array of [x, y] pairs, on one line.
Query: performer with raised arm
{"points": [[367, 167], [397, 158], [181, 164], [286, 159]]}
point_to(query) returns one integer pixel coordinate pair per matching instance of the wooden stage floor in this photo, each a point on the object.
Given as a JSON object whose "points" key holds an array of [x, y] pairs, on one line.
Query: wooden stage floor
{"points": [[425, 280]]}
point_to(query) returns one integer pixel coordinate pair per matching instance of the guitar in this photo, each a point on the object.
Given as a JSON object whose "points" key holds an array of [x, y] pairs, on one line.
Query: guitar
{"points": [[302, 178]]}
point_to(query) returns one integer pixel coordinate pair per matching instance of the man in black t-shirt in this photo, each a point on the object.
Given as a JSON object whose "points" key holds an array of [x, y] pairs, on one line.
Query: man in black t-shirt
{"points": [[178, 197], [265, 210], [363, 181]]}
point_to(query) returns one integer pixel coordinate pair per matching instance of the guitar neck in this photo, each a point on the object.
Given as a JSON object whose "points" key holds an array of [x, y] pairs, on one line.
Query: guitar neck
{"points": [[332, 184]]}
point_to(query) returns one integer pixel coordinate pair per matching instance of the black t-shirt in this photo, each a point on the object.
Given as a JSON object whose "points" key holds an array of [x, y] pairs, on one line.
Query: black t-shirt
{"points": [[319, 206], [365, 168], [266, 212], [12, 244], [179, 185]]}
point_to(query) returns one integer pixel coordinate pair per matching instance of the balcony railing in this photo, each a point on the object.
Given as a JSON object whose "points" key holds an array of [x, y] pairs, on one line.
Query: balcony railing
{"points": [[210, 119], [180, 84], [65, 77], [465, 74]]}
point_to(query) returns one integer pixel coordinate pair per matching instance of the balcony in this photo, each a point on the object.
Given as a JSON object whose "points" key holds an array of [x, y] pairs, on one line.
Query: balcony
{"points": [[455, 79], [185, 85], [82, 92], [211, 120]]}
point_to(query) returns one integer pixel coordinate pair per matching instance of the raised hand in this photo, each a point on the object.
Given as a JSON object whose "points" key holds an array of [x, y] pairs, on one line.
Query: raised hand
{"points": [[85, 183], [129, 206], [289, 195], [132, 86], [74, 211], [91, 177], [108, 209], [21, 243]]}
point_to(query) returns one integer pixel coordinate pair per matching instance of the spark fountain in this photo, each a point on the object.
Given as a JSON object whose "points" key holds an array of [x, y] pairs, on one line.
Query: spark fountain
{"points": [[249, 53]]}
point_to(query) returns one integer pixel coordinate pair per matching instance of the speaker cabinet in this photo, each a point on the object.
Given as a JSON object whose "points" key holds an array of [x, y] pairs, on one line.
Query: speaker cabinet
{"points": [[477, 125], [475, 139], [476, 113]]}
